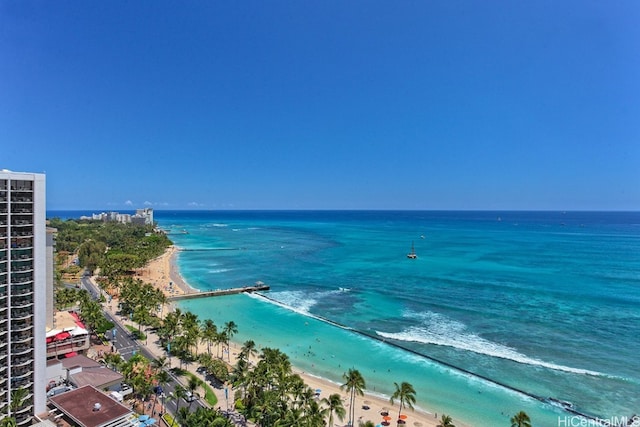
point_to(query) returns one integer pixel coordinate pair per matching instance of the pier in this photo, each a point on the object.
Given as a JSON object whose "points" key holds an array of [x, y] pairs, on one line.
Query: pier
{"points": [[220, 292]]}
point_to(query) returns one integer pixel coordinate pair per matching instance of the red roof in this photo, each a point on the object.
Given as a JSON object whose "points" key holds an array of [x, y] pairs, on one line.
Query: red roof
{"points": [[62, 336]]}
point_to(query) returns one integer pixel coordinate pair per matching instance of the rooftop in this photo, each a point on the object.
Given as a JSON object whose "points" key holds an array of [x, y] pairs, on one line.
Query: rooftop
{"points": [[89, 407]]}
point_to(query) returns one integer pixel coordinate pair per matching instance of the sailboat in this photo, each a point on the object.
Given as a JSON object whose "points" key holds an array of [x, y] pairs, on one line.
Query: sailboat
{"points": [[412, 254]]}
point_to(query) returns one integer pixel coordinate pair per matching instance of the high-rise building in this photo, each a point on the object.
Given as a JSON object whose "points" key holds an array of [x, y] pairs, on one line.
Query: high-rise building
{"points": [[23, 276]]}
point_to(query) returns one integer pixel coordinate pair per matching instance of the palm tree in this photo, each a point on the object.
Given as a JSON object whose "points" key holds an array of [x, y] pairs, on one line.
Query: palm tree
{"points": [[334, 405], [248, 349], [230, 329], [521, 419], [405, 394], [354, 384], [8, 422], [159, 364], [192, 387], [181, 393], [163, 379], [18, 397], [446, 421], [208, 333]]}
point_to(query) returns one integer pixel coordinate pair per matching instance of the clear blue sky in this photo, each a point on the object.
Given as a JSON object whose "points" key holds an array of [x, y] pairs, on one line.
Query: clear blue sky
{"points": [[358, 104]]}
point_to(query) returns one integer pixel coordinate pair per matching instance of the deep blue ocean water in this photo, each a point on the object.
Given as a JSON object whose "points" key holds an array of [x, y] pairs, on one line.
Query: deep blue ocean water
{"points": [[543, 302]]}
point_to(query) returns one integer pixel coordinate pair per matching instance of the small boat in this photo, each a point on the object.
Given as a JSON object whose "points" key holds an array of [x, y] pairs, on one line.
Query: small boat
{"points": [[412, 254]]}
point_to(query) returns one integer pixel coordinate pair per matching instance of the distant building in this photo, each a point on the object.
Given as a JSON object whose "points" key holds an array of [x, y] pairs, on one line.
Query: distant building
{"points": [[141, 217], [23, 292]]}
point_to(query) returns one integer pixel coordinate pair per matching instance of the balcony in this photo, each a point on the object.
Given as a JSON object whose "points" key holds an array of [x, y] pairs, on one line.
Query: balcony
{"points": [[22, 199], [22, 361], [21, 245], [22, 326], [18, 278], [21, 349], [24, 383], [21, 373], [21, 315], [21, 338], [21, 303], [21, 289]]}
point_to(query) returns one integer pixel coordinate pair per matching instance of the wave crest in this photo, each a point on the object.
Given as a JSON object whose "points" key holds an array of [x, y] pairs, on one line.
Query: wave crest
{"points": [[436, 329]]}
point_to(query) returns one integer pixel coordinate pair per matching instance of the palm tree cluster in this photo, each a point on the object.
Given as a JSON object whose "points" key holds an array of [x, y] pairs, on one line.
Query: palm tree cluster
{"points": [[182, 331], [270, 394], [140, 302]]}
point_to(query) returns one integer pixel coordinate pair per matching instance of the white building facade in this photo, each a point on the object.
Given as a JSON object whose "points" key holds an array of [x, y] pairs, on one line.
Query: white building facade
{"points": [[23, 283]]}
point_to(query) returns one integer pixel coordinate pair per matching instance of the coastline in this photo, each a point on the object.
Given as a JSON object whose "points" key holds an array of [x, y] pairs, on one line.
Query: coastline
{"points": [[164, 273]]}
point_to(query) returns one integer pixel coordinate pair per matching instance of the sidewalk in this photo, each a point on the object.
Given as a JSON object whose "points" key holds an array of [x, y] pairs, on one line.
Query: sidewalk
{"points": [[153, 346]]}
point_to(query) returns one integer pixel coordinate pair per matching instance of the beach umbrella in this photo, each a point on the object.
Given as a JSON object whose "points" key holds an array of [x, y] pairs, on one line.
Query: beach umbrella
{"points": [[318, 391], [386, 418], [150, 421], [403, 417], [143, 417]]}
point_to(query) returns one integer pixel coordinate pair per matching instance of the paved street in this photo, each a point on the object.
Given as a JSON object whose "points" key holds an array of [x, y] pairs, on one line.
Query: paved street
{"points": [[124, 343]]}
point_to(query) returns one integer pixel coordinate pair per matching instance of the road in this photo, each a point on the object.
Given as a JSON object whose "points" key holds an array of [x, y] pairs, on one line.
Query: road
{"points": [[128, 347]]}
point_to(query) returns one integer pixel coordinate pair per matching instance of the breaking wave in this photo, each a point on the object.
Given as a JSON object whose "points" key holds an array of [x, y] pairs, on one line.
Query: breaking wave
{"points": [[439, 330]]}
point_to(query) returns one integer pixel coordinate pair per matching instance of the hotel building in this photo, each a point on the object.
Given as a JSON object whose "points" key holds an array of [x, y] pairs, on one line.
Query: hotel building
{"points": [[23, 277]]}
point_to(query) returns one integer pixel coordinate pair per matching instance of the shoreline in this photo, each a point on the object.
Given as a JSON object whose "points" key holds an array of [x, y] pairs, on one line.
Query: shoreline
{"points": [[163, 273]]}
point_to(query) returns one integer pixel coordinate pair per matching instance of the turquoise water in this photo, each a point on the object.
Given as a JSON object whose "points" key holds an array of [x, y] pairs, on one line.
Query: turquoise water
{"points": [[544, 302]]}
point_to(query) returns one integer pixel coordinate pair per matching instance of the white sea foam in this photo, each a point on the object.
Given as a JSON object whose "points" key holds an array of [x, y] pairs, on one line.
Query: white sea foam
{"points": [[437, 329], [299, 302]]}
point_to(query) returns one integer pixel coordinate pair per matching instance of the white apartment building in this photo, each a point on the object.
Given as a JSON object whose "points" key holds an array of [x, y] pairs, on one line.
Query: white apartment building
{"points": [[23, 277]]}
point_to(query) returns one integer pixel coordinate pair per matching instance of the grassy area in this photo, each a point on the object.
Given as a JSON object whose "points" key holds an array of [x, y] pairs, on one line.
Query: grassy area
{"points": [[169, 420], [209, 396], [139, 335]]}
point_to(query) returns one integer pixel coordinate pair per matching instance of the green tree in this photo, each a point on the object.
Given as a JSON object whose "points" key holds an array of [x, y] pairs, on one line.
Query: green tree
{"points": [[446, 421], [208, 333], [248, 350], [521, 419], [192, 386], [405, 394], [8, 421], [334, 406], [354, 385], [230, 329]]}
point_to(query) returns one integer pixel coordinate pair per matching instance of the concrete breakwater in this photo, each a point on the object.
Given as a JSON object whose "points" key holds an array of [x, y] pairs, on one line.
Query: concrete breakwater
{"points": [[220, 292]]}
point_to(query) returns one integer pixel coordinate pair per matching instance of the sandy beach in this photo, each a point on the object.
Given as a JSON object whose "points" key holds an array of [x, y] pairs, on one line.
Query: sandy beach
{"points": [[162, 272]]}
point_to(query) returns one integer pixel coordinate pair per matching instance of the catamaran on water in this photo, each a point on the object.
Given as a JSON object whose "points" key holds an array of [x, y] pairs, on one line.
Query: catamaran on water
{"points": [[412, 254]]}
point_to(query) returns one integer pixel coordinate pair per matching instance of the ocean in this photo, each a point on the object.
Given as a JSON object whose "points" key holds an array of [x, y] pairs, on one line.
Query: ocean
{"points": [[500, 310]]}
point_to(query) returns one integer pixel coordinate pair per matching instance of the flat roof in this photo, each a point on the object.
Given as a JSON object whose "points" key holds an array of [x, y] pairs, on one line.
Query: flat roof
{"points": [[80, 406]]}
